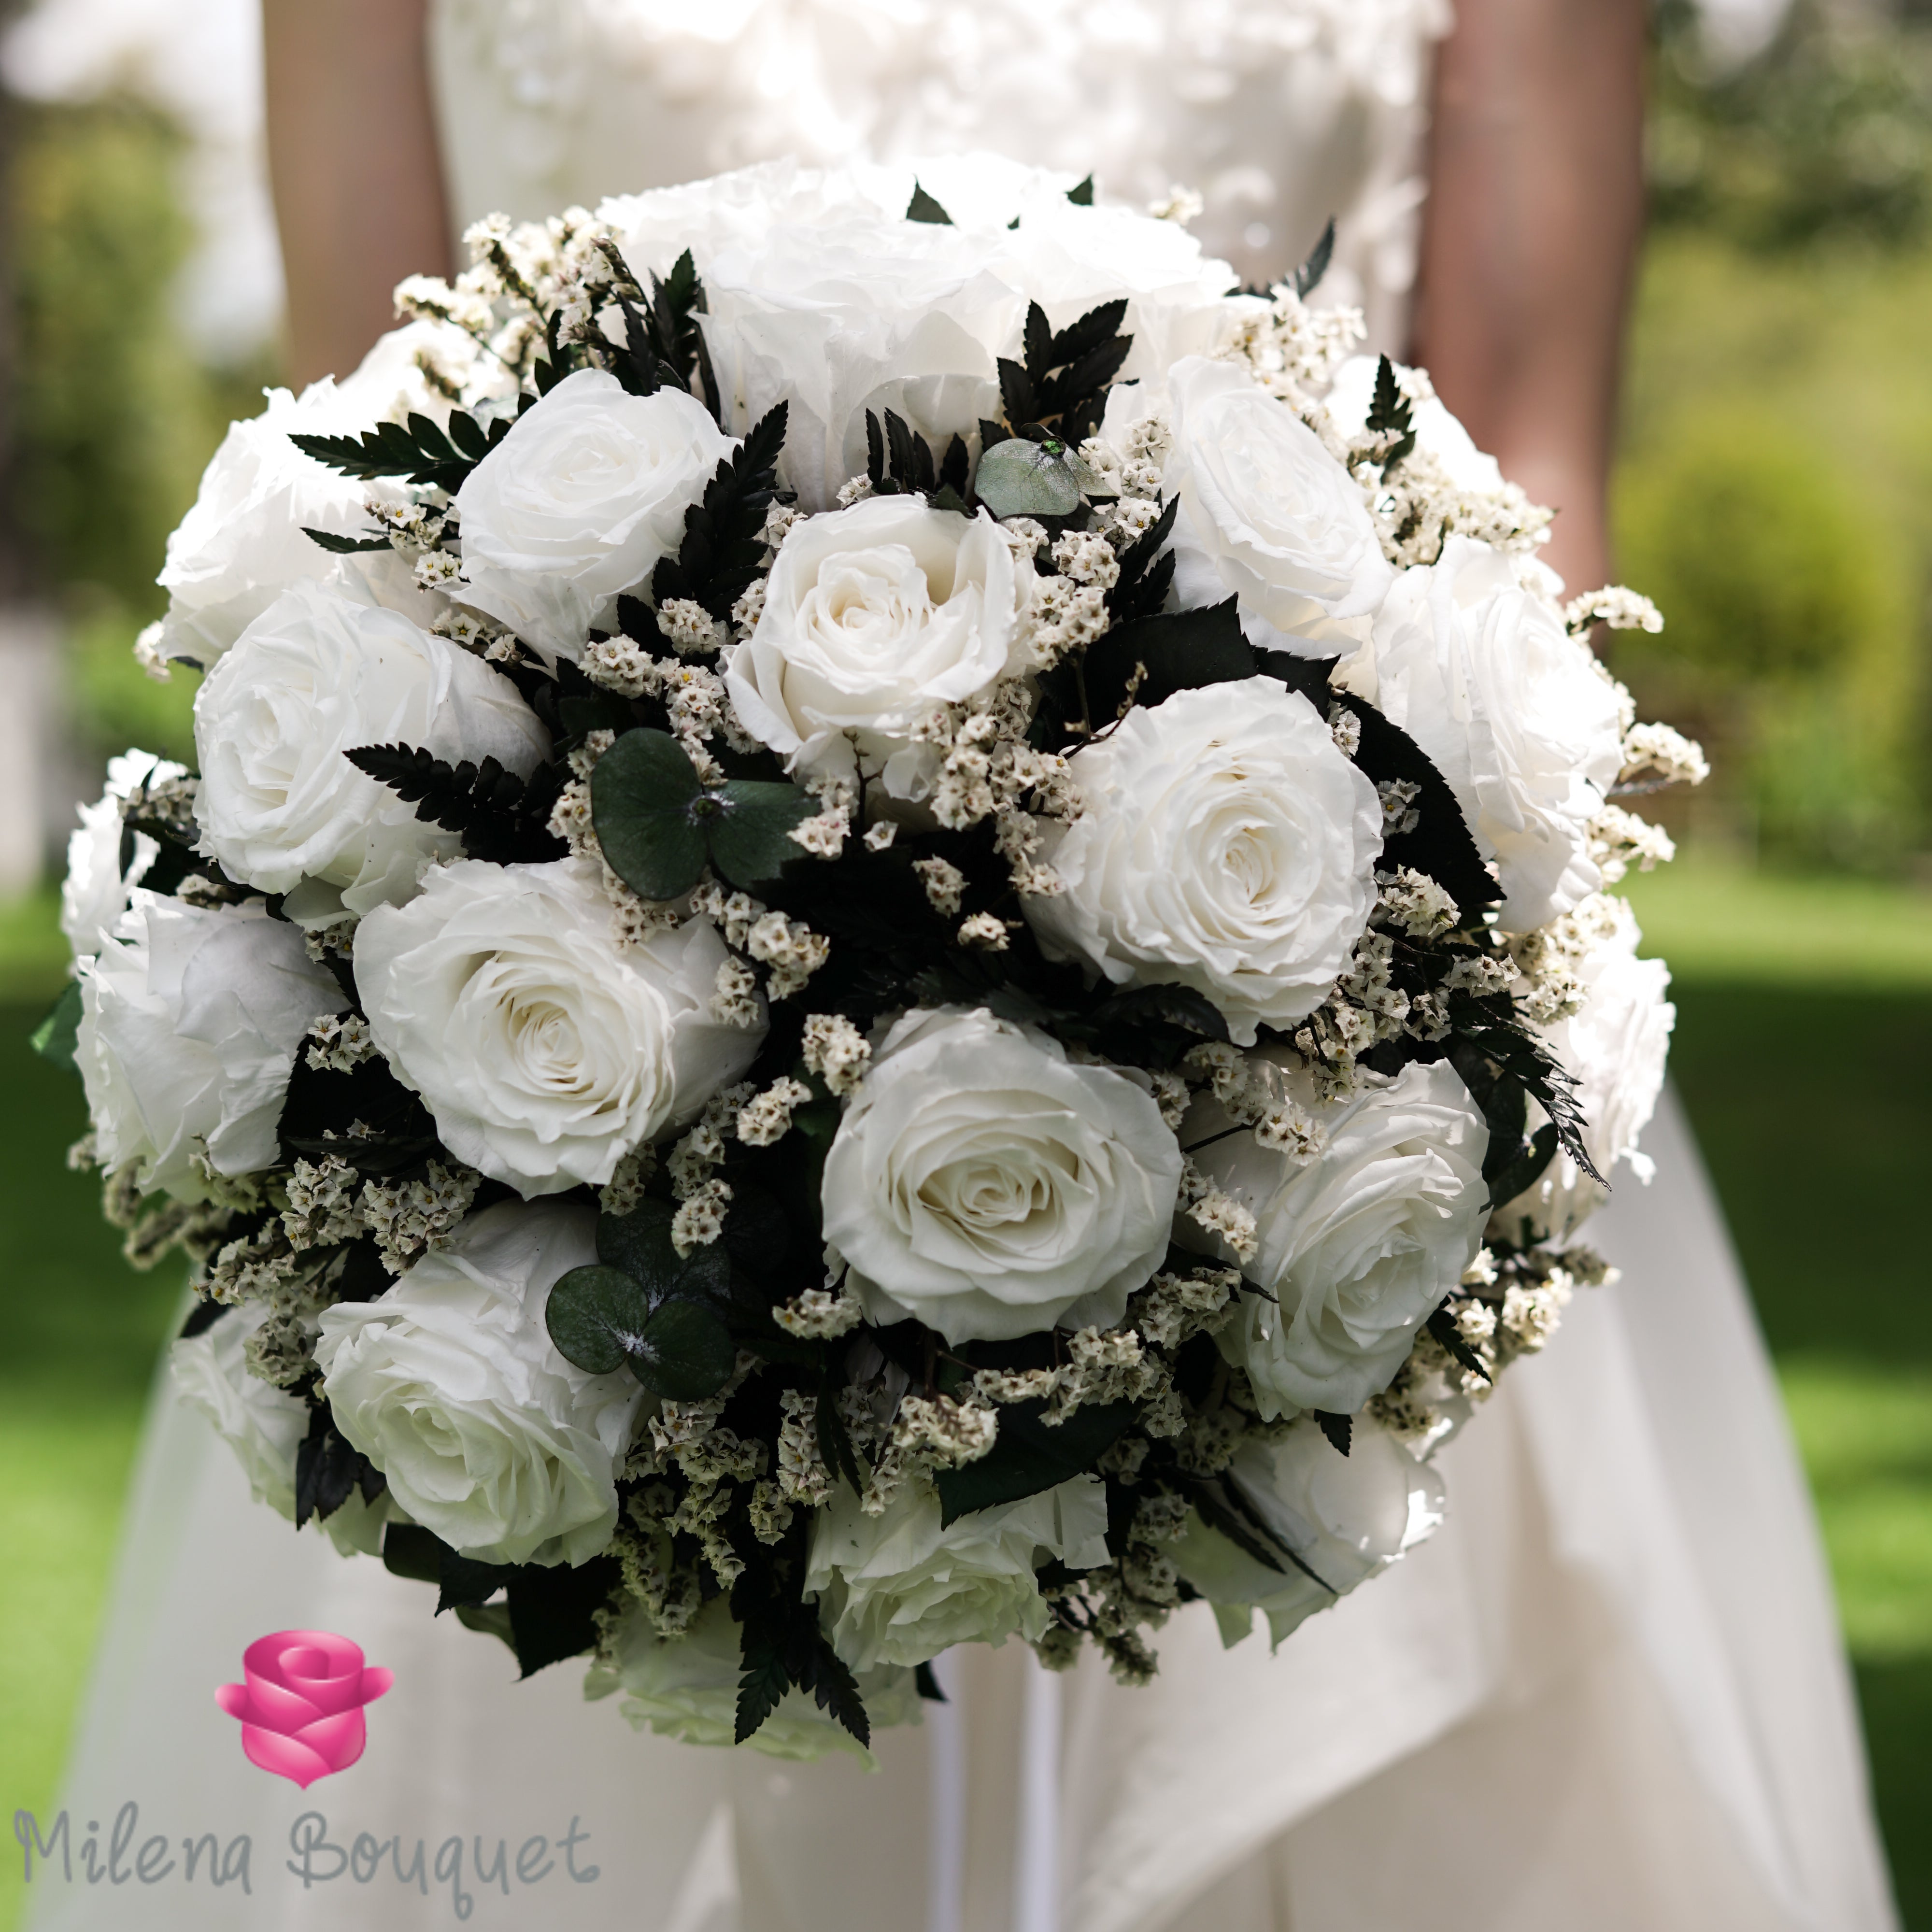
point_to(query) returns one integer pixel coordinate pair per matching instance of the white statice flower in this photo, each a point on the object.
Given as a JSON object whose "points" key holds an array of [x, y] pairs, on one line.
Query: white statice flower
{"points": [[1226, 845], [1347, 1518], [1359, 1242], [1268, 516], [263, 1426], [1616, 1044], [190, 1022], [686, 1687], [981, 1182], [243, 542], [281, 807], [450, 1384], [579, 503], [897, 1588], [1512, 710], [94, 893], [874, 617], [545, 1050]]}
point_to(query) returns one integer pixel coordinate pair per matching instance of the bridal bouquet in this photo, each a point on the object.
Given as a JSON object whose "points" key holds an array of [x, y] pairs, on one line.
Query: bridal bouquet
{"points": [[893, 931]]}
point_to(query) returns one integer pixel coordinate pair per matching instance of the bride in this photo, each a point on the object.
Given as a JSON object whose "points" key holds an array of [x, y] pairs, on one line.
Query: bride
{"points": [[1608, 1694]]}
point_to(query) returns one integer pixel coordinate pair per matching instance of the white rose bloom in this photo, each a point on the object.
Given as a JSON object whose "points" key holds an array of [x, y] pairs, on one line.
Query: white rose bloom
{"points": [[1360, 1244], [545, 1050], [1226, 845], [264, 1426], [1347, 1517], [873, 616], [94, 893], [242, 544], [1514, 712], [313, 678], [1268, 516], [189, 1025], [687, 1687], [861, 311], [1615, 1046], [450, 1384], [896, 1588], [579, 503], [982, 1183]]}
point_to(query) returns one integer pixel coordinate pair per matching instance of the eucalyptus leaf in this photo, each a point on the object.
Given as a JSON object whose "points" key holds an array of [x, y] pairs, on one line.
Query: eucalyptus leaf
{"points": [[1022, 478], [749, 836], [643, 795], [58, 1034], [684, 1354], [597, 1316]]}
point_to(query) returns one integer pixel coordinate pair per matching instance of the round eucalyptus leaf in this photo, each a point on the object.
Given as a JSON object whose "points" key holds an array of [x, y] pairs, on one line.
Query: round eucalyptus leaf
{"points": [[684, 1354], [639, 1242], [1020, 478], [596, 1316], [748, 832], [643, 799]]}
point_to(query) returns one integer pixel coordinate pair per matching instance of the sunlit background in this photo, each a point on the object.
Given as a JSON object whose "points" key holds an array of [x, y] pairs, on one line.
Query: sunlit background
{"points": [[1775, 496]]}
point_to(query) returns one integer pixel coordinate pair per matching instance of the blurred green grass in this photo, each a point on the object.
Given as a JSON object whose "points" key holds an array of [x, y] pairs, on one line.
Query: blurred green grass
{"points": [[1803, 1052]]}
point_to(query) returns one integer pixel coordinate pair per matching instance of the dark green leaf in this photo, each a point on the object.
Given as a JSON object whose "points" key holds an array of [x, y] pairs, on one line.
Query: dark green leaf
{"points": [[553, 1610], [749, 838], [344, 546], [684, 1354], [1029, 1457], [641, 795], [763, 1686], [1081, 196], [1080, 338], [923, 207], [1442, 1325], [1338, 1428], [464, 1582], [833, 1687], [1178, 650], [58, 1033], [1526, 1170], [927, 1685], [1308, 277], [835, 1443], [410, 1550], [1391, 413], [640, 1243], [598, 1317]]}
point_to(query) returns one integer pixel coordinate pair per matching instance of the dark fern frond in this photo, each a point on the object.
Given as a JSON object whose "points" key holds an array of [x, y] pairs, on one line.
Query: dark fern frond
{"points": [[341, 546], [1391, 414], [1308, 277], [419, 452], [1147, 570], [722, 550], [493, 810], [1062, 384]]}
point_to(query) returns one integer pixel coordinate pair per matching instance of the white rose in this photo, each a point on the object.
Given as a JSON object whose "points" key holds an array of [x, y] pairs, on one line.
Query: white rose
{"points": [[896, 1588], [1514, 712], [313, 678], [242, 544], [873, 616], [578, 503], [189, 1026], [1615, 1046], [860, 310], [1267, 515], [1359, 1244], [545, 1050], [1347, 1517], [263, 1426], [94, 893], [686, 1687], [983, 1183], [450, 1385], [1226, 844]]}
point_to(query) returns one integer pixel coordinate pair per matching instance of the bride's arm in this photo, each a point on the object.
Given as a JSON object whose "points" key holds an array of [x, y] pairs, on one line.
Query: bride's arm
{"points": [[353, 161], [1535, 207]]}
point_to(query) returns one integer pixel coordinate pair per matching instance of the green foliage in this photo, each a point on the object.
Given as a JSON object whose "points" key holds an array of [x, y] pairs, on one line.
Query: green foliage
{"points": [[1828, 132], [658, 825]]}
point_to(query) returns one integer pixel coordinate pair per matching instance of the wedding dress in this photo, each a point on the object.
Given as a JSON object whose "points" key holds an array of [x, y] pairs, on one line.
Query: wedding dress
{"points": [[1608, 1695]]}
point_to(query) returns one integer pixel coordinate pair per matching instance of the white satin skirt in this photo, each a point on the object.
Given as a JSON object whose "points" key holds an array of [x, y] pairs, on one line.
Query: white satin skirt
{"points": [[1609, 1695]]}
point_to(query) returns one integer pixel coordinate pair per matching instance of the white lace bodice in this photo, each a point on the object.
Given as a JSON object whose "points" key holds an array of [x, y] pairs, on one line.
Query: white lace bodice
{"points": [[1277, 112]]}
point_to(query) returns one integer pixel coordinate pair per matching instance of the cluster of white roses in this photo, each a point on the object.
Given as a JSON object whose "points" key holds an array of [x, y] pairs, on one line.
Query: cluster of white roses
{"points": [[892, 930]]}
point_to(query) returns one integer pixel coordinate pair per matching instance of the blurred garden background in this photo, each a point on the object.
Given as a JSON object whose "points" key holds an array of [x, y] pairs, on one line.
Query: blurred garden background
{"points": [[1775, 496]]}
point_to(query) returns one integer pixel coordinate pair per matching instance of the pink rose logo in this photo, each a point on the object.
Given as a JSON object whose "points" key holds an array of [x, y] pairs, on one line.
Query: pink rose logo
{"points": [[301, 1707]]}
